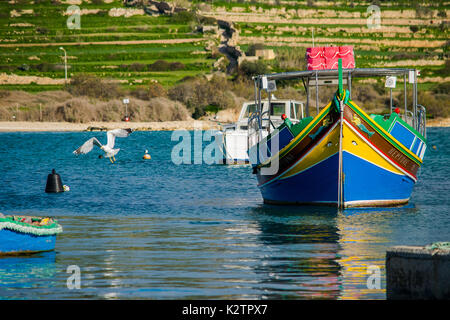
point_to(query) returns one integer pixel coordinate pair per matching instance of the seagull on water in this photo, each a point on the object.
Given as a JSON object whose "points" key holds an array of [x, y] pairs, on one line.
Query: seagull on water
{"points": [[108, 148]]}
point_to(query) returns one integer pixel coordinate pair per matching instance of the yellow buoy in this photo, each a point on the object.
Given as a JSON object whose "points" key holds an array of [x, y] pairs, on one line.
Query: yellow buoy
{"points": [[146, 156]]}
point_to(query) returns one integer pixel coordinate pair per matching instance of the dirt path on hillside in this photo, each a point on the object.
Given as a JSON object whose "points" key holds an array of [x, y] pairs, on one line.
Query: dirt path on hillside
{"points": [[125, 42], [276, 19], [322, 40]]}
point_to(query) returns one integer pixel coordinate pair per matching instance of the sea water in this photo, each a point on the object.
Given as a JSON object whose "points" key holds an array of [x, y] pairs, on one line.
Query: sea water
{"points": [[151, 229]]}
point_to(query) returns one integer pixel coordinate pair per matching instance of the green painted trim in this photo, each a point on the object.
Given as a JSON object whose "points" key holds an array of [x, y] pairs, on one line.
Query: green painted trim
{"points": [[403, 122], [385, 134], [300, 136], [379, 119], [341, 86], [305, 131], [10, 224]]}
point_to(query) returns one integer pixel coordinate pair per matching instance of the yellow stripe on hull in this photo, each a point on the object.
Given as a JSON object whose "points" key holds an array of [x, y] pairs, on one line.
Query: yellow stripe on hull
{"points": [[328, 146], [355, 145]]}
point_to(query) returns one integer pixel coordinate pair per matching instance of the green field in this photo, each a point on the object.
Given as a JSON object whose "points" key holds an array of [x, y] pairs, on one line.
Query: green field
{"points": [[121, 48]]}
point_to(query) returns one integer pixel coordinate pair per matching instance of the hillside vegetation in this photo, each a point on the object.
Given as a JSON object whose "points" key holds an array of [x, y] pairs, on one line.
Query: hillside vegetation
{"points": [[146, 54]]}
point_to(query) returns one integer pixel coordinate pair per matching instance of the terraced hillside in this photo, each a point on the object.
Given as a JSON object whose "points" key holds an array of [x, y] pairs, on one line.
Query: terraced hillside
{"points": [[120, 42], [113, 42], [135, 43], [409, 34]]}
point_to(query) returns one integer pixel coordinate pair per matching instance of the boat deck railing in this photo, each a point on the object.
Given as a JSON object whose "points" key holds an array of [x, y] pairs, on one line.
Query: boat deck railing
{"points": [[414, 113]]}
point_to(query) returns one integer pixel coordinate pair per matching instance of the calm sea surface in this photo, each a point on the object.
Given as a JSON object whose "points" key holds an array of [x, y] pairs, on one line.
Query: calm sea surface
{"points": [[142, 229]]}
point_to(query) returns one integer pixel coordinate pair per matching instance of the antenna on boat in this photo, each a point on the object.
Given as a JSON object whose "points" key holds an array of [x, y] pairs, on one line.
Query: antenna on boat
{"points": [[312, 30]]}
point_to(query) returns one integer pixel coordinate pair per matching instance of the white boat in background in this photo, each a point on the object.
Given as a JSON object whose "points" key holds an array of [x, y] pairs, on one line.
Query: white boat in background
{"points": [[233, 138]]}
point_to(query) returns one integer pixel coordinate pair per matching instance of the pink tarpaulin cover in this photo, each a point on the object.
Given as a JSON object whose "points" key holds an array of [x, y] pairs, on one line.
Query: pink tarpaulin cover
{"points": [[320, 58]]}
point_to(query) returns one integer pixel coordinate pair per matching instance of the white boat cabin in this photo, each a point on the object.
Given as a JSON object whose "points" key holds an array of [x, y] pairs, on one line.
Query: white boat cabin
{"points": [[233, 139], [293, 109]]}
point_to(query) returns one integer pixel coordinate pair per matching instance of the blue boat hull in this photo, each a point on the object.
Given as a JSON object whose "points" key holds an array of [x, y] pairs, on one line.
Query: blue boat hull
{"points": [[316, 185], [365, 184], [12, 242]]}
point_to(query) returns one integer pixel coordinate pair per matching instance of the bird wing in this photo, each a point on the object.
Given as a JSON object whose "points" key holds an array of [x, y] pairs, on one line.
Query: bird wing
{"points": [[87, 146], [112, 134]]}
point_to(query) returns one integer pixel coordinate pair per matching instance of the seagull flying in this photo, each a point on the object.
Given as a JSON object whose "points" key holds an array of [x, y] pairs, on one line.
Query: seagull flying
{"points": [[108, 148]]}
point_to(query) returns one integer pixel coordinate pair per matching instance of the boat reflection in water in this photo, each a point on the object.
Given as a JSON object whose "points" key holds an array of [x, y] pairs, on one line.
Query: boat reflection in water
{"points": [[364, 236], [26, 272], [322, 253], [304, 244]]}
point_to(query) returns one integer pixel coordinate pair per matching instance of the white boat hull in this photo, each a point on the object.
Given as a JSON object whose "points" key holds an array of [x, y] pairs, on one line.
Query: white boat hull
{"points": [[234, 146]]}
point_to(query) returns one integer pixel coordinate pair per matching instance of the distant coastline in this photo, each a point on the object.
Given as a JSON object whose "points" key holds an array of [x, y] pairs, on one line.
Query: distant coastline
{"points": [[440, 122], [31, 126]]}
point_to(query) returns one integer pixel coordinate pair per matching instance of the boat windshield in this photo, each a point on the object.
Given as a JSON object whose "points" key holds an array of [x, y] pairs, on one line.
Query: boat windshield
{"points": [[278, 108], [249, 110]]}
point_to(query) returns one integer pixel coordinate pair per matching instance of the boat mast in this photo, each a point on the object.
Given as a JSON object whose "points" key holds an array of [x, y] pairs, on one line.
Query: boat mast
{"points": [[341, 125]]}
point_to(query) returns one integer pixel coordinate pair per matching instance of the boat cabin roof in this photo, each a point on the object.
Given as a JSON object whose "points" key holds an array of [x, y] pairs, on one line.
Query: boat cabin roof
{"points": [[333, 73]]}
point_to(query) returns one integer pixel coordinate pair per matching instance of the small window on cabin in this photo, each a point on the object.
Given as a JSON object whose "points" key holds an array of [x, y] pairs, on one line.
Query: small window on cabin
{"points": [[250, 109], [294, 115], [277, 109], [298, 110]]}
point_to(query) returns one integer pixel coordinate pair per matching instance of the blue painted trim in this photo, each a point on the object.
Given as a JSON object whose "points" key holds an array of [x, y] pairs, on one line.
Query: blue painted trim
{"points": [[402, 134]]}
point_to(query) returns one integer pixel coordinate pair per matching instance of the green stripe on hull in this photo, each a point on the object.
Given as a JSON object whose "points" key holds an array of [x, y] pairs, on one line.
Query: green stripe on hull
{"points": [[304, 133]]}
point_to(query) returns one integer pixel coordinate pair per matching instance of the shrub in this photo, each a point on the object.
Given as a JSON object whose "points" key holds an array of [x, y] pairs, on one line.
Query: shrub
{"points": [[42, 30], [435, 103], [253, 47], [91, 86], [290, 59], [23, 67], [137, 67], [162, 65], [414, 29], [156, 90], [163, 109], [183, 17], [249, 69], [198, 94], [442, 14], [140, 93], [4, 94], [207, 20], [442, 88], [445, 71]]}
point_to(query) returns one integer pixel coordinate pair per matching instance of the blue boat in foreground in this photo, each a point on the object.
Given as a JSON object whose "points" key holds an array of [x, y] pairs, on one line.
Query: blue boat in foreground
{"points": [[24, 235]]}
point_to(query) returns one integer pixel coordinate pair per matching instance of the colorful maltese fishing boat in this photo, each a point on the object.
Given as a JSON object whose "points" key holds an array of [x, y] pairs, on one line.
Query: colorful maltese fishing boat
{"points": [[342, 156], [23, 235]]}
